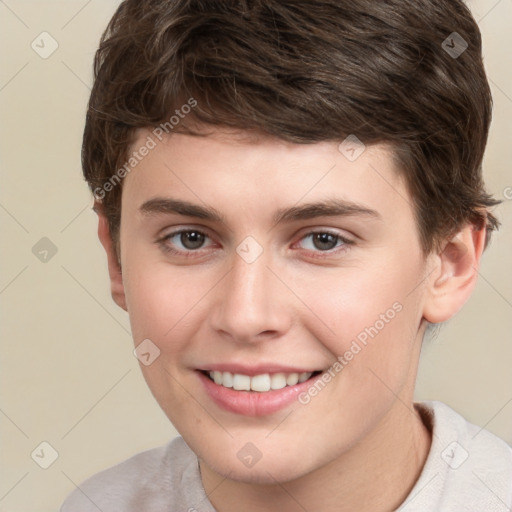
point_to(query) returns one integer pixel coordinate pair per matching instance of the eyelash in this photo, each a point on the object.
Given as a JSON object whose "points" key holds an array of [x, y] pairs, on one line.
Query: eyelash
{"points": [[163, 243]]}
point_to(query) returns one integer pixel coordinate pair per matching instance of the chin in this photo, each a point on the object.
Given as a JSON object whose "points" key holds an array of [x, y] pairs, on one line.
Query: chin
{"points": [[267, 471]]}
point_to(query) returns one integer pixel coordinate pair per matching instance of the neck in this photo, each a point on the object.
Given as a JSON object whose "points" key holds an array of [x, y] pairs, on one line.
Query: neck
{"points": [[377, 473]]}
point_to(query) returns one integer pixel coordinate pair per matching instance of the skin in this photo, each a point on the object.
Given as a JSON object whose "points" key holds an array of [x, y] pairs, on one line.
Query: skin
{"points": [[359, 443]]}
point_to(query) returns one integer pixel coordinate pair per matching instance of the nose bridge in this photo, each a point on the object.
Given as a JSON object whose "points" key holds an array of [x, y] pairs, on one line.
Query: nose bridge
{"points": [[251, 301]]}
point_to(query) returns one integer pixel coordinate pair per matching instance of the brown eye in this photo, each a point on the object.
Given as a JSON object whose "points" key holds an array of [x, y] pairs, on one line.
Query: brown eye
{"points": [[185, 242], [325, 241], [191, 239], [325, 244]]}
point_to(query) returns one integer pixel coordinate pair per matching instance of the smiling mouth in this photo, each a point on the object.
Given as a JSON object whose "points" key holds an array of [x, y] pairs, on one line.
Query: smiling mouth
{"points": [[259, 383]]}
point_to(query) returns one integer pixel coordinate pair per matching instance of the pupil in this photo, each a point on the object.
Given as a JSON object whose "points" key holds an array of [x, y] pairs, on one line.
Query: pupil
{"points": [[192, 239], [323, 238]]}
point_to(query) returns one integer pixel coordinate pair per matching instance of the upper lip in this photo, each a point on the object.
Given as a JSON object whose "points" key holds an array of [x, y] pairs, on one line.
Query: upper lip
{"points": [[256, 369]]}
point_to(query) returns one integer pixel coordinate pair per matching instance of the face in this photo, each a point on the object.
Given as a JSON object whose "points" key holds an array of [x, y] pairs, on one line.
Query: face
{"points": [[243, 286]]}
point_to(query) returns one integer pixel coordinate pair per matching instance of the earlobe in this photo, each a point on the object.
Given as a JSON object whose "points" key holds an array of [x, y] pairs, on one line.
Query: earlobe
{"points": [[454, 275], [114, 268]]}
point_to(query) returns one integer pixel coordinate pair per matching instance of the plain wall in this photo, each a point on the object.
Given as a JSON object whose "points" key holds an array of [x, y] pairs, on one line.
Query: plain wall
{"points": [[68, 373]]}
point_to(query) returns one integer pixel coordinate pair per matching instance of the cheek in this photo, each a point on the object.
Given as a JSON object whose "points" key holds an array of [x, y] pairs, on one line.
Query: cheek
{"points": [[352, 301], [372, 315], [161, 298]]}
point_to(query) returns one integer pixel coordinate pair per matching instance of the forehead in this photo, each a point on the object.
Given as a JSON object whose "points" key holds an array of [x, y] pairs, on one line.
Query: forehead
{"points": [[246, 171]]}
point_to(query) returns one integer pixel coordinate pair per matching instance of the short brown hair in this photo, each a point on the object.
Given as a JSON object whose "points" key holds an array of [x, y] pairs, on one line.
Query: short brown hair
{"points": [[304, 71]]}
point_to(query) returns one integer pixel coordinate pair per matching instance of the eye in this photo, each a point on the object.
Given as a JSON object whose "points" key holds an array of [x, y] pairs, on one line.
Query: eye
{"points": [[191, 240], [326, 241]]}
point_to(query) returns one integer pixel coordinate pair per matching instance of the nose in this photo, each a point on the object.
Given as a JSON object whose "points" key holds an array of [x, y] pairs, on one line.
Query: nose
{"points": [[252, 305]]}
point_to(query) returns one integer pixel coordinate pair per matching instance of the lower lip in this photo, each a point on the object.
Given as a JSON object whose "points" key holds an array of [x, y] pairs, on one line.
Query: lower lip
{"points": [[254, 403]]}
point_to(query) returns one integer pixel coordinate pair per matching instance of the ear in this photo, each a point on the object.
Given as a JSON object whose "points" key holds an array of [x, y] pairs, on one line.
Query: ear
{"points": [[454, 274], [114, 267]]}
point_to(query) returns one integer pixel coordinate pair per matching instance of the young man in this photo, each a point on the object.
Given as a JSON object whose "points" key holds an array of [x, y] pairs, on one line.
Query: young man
{"points": [[289, 193]]}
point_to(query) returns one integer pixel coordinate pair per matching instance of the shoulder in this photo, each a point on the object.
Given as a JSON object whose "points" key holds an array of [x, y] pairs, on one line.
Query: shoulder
{"points": [[468, 468], [137, 483], [477, 445]]}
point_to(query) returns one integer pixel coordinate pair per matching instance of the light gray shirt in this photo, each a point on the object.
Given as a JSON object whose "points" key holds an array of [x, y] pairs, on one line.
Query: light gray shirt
{"points": [[468, 469]]}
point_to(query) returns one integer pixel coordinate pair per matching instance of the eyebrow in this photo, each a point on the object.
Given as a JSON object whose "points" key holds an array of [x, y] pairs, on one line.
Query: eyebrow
{"points": [[327, 208]]}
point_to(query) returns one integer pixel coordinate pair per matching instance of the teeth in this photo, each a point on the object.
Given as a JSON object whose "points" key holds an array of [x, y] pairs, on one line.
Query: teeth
{"points": [[241, 382], [292, 379], [304, 376], [278, 381], [261, 383], [227, 380]]}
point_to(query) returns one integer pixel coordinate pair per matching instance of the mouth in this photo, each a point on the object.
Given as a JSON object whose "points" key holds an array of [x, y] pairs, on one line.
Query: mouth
{"points": [[257, 390], [261, 383]]}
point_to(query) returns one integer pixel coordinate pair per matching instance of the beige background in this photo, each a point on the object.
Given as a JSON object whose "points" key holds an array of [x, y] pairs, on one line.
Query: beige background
{"points": [[68, 374]]}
